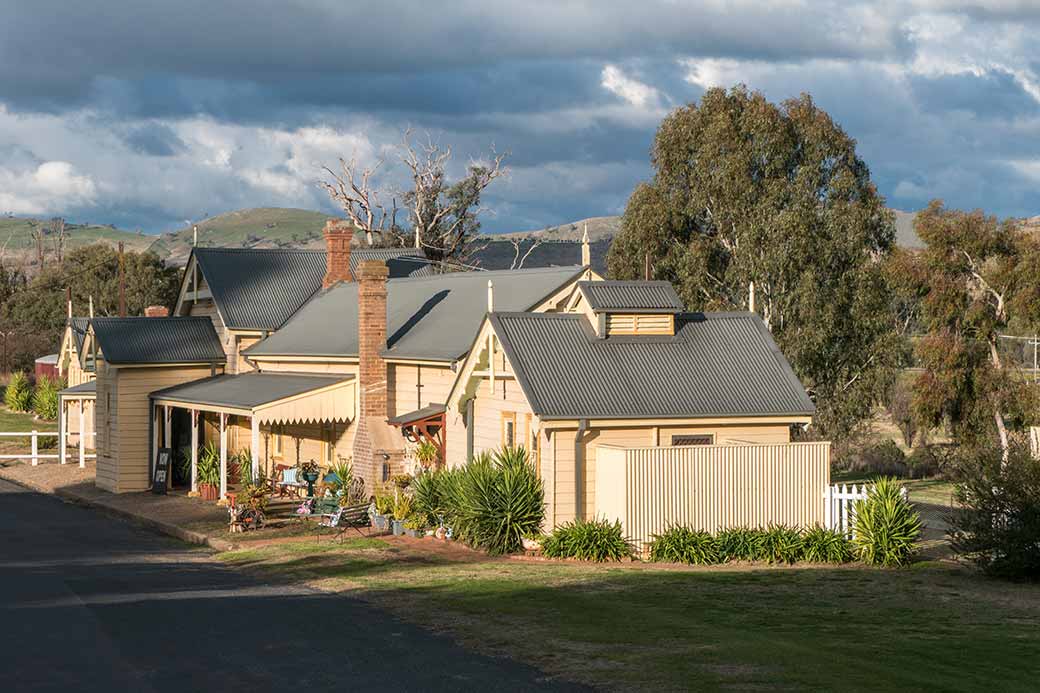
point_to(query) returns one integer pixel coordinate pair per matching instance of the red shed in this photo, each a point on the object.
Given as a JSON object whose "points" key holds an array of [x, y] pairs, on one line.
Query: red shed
{"points": [[47, 366]]}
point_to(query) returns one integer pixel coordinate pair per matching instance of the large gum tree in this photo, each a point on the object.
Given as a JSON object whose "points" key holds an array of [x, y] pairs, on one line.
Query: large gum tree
{"points": [[747, 191]]}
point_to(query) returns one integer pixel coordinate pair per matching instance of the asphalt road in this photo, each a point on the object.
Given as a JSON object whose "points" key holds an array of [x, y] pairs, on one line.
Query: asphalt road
{"points": [[88, 603]]}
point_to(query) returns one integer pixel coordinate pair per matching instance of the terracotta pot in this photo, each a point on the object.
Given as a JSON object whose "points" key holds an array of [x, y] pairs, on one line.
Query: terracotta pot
{"points": [[209, 492]]}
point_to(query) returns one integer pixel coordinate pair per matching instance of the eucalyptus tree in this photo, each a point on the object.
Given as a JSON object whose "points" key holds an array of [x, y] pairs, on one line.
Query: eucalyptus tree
{"points": [[747, 191]]}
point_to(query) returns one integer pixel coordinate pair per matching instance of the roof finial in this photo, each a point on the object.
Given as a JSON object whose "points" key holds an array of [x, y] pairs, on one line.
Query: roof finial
{"points": [[751, 297], [491, 296], [586, 251], [68, 300], [194, 235], [91, 313]]}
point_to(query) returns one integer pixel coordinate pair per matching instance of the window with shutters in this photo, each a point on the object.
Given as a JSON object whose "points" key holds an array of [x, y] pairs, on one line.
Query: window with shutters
{"points": [[637, 323]]}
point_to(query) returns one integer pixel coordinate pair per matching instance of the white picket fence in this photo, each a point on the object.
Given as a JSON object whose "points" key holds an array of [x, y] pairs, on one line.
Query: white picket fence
{"points": [[840, 505], [34, 454]]}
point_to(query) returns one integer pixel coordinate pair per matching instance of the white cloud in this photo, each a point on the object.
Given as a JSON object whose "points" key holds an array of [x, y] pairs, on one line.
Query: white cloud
{"points": [[51, 187], [628, 88]]}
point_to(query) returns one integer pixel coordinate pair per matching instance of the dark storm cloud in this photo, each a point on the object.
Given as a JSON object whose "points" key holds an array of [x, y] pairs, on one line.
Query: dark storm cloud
{"points": [[169, 109]]}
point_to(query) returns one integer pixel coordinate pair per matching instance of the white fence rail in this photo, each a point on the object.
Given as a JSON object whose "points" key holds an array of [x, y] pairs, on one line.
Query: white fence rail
{"points": [[840, 505], [35, 455]]}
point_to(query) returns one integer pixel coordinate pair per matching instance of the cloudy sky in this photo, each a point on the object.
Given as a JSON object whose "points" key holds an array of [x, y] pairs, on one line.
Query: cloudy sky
{"points": [[143, 113]]}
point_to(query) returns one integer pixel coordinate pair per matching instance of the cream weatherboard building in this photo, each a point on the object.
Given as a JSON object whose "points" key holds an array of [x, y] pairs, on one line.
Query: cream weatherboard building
{"points": [[357, 353]]}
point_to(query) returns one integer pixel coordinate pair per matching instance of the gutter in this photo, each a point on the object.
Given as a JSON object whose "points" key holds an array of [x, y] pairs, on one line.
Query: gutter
{"points": [[579, 476]]}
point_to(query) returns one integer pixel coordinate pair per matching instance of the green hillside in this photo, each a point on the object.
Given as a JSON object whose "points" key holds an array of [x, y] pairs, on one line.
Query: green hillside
{"points": [[263, 227], [16, 235]]}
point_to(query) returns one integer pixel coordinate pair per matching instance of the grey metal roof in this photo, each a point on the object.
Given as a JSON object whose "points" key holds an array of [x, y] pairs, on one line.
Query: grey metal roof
{"points": [[644, 296], [49, 358], [418, 415], [259, 288], [87, 388], [717, 364], [157, 340], [247, 390], [79, 332], [433, 318]]}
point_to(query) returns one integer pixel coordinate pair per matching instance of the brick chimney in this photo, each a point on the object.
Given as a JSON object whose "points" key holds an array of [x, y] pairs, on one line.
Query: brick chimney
{"points": [[372, 276], [375, 443], [338, 234], [157, 312]]}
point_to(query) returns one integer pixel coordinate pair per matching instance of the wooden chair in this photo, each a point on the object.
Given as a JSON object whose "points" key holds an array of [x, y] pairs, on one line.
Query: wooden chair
{"points": [[286, 483]]}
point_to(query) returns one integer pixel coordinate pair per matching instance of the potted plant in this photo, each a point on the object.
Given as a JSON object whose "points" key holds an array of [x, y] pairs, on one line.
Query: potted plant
{"points": [[384, 508], [415, 527], [208, 472], [425, 454], [402, 510], [309, 472]]}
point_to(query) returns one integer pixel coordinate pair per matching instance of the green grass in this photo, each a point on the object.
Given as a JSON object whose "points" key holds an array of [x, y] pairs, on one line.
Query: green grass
{"points": [[925, 628], [273, 226], [17, 233]]}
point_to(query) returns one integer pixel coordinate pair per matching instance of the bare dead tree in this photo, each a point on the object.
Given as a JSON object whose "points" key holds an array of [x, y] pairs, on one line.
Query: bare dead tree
{"points": [[443, 214], [36, 232], [352, 187], [519, 260], [58, 231]]}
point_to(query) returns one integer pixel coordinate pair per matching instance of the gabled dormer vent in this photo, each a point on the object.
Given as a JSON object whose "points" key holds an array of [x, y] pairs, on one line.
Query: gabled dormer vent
{"points": [[629, 307]]}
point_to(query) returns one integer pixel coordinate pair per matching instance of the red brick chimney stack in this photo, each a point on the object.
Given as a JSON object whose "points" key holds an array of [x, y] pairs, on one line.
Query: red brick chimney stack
{"points": [[372, 275], [338, 235], [157, 312]]}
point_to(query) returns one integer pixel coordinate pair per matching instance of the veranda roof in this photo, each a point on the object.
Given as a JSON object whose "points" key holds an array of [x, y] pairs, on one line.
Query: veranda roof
{"points": [[86, 390], [269, 397]]}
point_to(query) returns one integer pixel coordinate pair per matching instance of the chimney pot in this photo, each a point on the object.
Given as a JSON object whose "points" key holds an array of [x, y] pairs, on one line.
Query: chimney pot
{"points": [[338, 235]]}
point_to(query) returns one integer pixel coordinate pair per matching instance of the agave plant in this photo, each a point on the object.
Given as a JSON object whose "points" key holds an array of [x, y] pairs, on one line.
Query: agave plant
{"points": [[886, 526]]}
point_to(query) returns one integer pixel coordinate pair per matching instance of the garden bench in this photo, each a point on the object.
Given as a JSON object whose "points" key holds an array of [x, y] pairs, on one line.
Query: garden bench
{"points": [[341, 518]]}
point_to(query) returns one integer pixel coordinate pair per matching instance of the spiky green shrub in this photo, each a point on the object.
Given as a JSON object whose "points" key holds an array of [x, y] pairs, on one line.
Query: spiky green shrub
{"points": [[886, 526], [781, 544], [821, 545], [45, 399], [679, 544], [18, 396], [428, 492], [739, 544], [495, 501], [588, 540]]}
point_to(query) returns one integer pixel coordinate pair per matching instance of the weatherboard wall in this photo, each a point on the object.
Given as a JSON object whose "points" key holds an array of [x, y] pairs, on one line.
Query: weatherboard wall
{"points": [[123, 414]]}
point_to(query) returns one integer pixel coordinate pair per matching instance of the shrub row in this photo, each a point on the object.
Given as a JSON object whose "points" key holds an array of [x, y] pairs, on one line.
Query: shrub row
{"points": [[774, 544], [886, 530], [19, 396]]}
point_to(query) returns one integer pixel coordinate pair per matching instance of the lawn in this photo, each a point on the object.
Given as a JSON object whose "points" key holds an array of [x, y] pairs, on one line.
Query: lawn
{"points": [[11, 421], [927, 627]]}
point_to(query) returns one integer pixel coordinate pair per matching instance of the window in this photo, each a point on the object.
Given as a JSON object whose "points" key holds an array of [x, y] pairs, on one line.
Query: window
{"points": [[329, 434], [704, 439], [508, 429], [276, 433]]}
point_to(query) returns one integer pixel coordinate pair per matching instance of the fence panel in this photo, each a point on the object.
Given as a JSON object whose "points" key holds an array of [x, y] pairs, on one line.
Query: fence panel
{"points": [[712, 487]]}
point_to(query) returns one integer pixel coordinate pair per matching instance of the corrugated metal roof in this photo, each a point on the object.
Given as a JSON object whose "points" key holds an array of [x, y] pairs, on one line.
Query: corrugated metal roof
{"points": [[717, 364], [434, 318], [87, 388], [260, 288], [157, 340], [247, 390], [418, 415], [79, 331], [645, 296]]}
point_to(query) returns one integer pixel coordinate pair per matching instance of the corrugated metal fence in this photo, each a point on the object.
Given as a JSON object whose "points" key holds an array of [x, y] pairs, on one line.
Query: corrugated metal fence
{"points": [[711, 487]]}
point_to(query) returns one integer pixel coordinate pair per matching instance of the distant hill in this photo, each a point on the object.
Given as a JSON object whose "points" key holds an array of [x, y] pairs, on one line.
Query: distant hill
{"points": [[17, 246], [278, 227], [261, 227]]}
